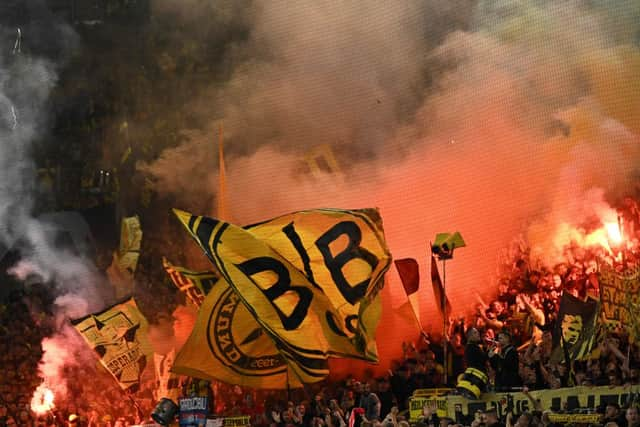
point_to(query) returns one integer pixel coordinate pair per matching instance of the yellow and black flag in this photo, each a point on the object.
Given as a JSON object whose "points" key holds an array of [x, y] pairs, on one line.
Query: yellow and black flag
{"points": [[119, 334], [310, 278], [195, 284], [344, 254], [574, 334], [228, 344], [619, 299]]}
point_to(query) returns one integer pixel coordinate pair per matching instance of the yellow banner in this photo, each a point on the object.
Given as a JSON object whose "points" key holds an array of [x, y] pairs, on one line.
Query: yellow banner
{"points": [[237, 421], [119, 335], [130, 241], [309, 274], [615, 290], [574, 397], [229, 345], [574, 418], [194, 284]]}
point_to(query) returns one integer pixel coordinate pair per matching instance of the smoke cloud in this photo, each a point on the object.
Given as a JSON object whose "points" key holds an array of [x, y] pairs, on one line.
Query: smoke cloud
{"points": [[33, 45], [494, 119]]}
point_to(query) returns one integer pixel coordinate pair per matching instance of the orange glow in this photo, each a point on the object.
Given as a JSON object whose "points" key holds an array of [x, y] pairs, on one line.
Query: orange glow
{"points": [[42, 400], [600, 237], [614, 233]]}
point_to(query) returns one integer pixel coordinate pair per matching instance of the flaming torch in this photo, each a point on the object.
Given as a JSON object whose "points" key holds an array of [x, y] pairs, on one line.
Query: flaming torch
{"points": [[614, 233], [42, 401]]}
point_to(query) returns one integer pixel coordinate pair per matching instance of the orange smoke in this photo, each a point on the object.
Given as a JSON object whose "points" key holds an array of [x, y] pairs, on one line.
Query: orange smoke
{"points": [[59, 350]]}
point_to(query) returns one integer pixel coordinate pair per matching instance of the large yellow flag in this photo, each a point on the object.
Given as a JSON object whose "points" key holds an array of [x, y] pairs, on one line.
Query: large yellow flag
{"points": [[310, 278], [195, 284], [228, 344], [345, 255], [119, 334]]}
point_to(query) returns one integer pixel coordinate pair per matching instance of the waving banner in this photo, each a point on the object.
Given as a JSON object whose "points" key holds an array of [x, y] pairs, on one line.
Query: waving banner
{"points": [[310, 278], [119, 335], [228, 344], [195, 284], [344, 254], [575, 330], [567, 399], [619, 296]]}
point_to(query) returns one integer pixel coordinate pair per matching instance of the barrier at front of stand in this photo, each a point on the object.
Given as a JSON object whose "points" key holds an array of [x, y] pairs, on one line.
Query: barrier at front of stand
{"points": [[455, 406]]}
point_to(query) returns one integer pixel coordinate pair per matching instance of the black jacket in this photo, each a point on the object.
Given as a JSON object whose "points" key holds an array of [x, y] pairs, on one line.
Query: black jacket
{"points": [[506, 365]]}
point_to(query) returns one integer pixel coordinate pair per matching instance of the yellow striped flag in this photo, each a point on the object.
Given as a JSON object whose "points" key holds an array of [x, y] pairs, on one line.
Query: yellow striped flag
{"points": [[195, 284]]}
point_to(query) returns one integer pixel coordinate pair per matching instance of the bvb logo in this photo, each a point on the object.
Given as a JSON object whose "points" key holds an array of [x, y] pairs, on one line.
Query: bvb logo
{"points": [[237, 340]]}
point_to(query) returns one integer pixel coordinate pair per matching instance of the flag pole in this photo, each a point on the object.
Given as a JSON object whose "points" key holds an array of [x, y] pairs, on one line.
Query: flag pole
{"points": [[221, 209], [445, 339]]}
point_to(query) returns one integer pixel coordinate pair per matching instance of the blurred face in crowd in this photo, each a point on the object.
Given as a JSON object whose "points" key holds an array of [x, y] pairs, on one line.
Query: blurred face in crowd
{"points": [[491, 417], [496, 307], [524, 420], [529, 375], [611, 411], [473, 335], [571, 328], [366, 389], [383, 385], [632, 416], [430, 360], [504, 339], [457, 340]]}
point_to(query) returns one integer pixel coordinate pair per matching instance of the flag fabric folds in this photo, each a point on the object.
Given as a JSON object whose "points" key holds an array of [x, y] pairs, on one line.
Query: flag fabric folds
{"points": [[343, 253], [119, 335], [195, 284], [311, 279], [409, 274], [130, 241], [574, 334], [438, 289], [228, 344]]}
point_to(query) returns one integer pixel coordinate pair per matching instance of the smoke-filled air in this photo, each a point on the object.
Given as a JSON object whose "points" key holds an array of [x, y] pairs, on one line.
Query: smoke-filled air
{"points": [[496, 119], [515, 123]]}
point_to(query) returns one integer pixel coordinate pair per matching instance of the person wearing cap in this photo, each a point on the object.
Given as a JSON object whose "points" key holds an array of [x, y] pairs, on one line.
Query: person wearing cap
{"points": [[504, 360]]}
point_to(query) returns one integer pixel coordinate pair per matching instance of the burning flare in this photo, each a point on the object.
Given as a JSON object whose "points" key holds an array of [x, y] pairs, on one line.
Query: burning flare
{"points": [[42, 400]]}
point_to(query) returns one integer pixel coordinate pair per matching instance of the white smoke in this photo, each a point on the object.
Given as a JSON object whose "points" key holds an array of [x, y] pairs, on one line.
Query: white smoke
{"points": [[28, 73]]}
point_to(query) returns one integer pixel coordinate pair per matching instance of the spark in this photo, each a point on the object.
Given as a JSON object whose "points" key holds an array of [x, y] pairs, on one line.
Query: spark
{"points": [[17, 47], [14, 115]]}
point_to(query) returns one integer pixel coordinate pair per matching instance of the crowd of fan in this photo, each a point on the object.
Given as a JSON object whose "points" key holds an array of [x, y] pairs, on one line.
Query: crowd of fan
{"points": [[527, 301]]}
